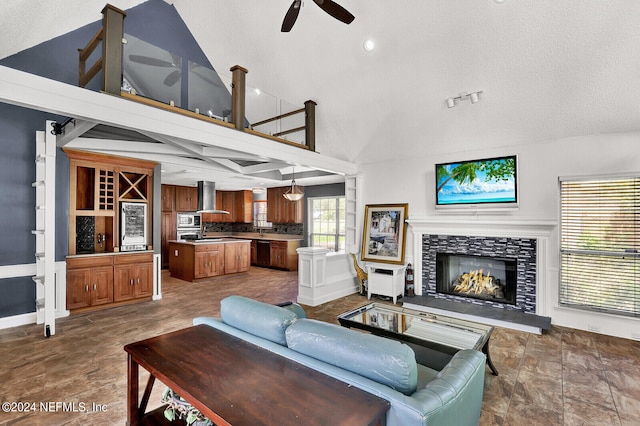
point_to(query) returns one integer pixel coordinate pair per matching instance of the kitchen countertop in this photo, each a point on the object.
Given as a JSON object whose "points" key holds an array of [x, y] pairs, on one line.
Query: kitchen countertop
{"points": [[108, 253], [255, 236], [212, 240]]}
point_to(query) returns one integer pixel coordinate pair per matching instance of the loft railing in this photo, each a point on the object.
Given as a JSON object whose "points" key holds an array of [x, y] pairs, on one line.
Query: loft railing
{"points": [[110, 61], [145, 73]]}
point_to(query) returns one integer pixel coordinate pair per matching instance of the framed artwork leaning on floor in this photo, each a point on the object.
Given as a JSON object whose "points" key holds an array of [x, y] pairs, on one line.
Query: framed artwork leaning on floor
{"points": [[383, 237]]}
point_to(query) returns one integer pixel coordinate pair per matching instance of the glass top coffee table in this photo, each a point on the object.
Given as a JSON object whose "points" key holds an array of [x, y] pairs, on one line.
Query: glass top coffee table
{"points": [[434, 338]]}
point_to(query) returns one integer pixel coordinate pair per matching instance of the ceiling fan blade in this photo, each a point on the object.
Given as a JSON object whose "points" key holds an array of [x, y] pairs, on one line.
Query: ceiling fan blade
{"points": [[148, 60], [206, 78], [335, 10], [172, 78], [291, 16]]}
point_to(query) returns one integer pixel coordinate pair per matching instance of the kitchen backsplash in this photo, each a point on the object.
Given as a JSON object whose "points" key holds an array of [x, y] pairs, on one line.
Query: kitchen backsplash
{"points": [[278, 228]]}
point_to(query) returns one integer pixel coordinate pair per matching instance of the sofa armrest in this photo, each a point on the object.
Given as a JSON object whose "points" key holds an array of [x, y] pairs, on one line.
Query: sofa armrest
{"points": [[454, 396]]}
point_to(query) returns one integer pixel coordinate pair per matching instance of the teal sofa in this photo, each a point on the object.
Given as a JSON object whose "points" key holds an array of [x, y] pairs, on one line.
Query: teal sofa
{"points": [[387, 368]]}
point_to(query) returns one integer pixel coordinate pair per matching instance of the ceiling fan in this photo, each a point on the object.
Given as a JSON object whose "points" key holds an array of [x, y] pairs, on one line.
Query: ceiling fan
{"points": [[332, 8]]}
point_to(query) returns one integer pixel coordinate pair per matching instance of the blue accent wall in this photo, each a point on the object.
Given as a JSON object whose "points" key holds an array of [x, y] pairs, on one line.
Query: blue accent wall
{"points": [[155, 22]]}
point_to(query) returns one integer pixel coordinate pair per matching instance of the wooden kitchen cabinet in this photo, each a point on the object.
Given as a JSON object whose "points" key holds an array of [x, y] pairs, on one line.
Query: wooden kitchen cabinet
{"points": [[239, 204], [168, 232], [89, 282], [243, 207], [284, 255], [227, 203], [237, 257], [281, 210], [186, 198], [208, 260], [89, 287], [168, 198], [133, 276]]}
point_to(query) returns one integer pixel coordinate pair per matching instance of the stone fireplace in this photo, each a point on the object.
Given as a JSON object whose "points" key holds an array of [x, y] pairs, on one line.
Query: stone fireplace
{"points": [[505, 261]]}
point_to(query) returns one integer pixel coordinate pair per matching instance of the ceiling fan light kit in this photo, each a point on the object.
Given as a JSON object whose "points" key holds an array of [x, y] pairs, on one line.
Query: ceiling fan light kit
{"points": [[329, 6], [473, 98]]}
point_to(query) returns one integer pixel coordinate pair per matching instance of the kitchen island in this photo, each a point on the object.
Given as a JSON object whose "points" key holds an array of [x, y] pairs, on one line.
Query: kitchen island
{"points": [[269, 250], [205, 258]]}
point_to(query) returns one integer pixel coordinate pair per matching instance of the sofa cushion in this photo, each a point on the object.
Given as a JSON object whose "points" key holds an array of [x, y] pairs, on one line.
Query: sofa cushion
{"points": [[385, 361], [257, 318]]}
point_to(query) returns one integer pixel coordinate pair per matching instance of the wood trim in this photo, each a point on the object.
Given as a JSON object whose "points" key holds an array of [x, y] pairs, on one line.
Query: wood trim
{"points": [[112, 305], [187, 113], [111, 160], [274, 138], [90, 47], [278, 117]]}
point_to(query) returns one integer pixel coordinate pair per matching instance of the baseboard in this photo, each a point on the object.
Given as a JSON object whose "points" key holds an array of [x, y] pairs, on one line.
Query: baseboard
{"points": [[17, 320]]}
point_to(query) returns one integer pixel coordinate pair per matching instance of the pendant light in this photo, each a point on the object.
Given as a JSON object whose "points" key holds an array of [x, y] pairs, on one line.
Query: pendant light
{"points": [[294, 193]]}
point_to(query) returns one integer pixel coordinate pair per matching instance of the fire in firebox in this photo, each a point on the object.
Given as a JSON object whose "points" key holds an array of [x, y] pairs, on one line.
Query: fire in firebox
{"points": [[478, 283]]}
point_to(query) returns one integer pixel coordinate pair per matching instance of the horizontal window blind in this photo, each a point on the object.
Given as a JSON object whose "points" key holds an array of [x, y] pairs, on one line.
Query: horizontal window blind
{"points": [[600, 241]]}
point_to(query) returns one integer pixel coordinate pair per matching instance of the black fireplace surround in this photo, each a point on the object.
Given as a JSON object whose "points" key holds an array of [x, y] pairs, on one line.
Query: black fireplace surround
{"points": [[520, 265]]}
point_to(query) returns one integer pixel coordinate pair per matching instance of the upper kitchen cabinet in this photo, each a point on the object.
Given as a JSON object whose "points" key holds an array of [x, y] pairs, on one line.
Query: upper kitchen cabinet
{"points": [[243, 207], [239, 204], [281, 210], [186, 198], [168, 198]]}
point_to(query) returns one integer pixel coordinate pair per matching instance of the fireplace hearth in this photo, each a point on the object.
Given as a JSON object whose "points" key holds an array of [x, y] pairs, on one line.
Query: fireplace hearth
{"points": [[478, 277]]}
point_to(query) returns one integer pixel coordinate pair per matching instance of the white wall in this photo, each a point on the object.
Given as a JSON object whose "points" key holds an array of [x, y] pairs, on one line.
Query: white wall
{"points": [[539, 166]]}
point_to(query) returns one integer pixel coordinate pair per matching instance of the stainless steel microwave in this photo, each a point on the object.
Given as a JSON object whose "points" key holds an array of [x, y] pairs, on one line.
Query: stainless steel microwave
{"points": [[188, 220]]}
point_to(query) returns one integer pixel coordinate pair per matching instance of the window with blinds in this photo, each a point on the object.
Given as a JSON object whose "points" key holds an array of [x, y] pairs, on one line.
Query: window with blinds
{"points": [[599, 246]]}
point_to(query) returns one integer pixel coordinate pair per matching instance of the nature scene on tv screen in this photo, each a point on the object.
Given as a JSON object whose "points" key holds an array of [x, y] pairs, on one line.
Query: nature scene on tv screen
{"points": [[475, 182]]}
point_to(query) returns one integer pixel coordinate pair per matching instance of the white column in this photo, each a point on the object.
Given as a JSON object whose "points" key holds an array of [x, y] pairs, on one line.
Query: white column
{"points": [[311, 274]]}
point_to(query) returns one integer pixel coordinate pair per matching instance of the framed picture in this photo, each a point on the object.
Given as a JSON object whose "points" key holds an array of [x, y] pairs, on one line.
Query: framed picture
{"points": [[384, 233]]}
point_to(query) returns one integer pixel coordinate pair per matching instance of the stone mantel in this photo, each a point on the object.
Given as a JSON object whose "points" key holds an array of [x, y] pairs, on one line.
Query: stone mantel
{"points": [[489, 226]]}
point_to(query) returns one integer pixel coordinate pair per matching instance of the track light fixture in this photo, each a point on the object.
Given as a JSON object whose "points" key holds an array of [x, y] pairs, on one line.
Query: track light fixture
{"points": [[473, 97]]}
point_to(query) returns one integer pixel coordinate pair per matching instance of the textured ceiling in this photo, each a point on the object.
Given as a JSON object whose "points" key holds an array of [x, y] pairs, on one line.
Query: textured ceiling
{"points": [[547, 69]]}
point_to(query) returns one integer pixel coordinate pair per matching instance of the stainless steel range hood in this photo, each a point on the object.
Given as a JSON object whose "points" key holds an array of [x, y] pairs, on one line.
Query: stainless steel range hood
{"points": [[207, 198]]}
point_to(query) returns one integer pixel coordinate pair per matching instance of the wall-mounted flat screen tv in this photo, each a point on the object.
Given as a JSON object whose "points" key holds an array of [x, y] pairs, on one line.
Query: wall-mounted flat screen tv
{"points": [[489, 182]]}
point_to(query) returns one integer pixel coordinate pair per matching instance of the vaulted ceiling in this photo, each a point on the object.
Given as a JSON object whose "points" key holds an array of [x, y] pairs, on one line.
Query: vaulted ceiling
{"points": [[547, 69]]}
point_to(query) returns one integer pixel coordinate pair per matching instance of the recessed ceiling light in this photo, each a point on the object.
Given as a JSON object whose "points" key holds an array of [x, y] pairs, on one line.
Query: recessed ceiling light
{"points": [[369, 45], [257, 91]]}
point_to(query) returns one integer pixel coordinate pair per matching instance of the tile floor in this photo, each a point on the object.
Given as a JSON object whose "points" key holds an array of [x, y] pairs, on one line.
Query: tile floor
{"points": [[564, 377]]}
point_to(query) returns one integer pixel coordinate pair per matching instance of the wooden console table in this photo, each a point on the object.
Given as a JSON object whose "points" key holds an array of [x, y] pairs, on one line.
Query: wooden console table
{"points": [[235, 382]]}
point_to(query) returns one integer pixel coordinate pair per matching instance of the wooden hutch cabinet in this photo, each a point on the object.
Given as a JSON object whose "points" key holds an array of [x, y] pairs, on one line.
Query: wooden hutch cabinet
{"points": [[98, 273]]}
